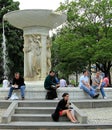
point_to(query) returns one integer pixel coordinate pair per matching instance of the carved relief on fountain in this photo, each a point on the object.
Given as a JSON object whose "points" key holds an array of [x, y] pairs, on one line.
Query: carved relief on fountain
{"points": [[32, 56], [48, 50]]}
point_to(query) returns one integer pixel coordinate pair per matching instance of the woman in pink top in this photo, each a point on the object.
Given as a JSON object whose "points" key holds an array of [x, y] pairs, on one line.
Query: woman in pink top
{"points": [[106, 81]]}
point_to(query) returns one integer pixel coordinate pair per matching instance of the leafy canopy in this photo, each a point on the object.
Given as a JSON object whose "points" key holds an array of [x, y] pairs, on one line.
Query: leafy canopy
{"points": [[86, 37]]}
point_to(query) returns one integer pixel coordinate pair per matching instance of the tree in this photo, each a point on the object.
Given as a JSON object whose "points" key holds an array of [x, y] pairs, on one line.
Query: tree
{"points": [[14, 40], [87, 34]]}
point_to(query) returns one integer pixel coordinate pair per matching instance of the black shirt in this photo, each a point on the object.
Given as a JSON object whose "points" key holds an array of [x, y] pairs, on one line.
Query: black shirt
{"points": [[61, 105], [19, 81]]}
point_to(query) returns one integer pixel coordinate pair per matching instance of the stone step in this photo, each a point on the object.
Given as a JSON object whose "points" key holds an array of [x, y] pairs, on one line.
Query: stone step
{"points": [[38, 104], [39, 125], [34, 110], [36, 117], [53, 126]]}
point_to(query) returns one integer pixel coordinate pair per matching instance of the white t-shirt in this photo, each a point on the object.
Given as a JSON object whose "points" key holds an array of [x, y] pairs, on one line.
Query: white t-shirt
{"points": [[63, 83], [5, 83], [83, 78]]}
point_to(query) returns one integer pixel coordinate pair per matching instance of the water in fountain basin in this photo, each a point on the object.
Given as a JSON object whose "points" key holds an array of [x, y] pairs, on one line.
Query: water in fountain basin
{"points": [[4, 53]]}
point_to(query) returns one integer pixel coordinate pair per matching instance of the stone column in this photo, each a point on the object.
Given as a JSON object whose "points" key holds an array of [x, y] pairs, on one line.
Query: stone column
{"points": [[35, 53], [43, 57]]}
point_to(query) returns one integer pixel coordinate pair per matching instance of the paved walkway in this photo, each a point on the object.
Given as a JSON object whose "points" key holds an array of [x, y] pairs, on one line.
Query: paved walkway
{"points": [[99, 115]]}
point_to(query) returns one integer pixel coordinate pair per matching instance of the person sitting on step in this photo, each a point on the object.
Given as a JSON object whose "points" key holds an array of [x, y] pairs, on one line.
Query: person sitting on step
{"points": [[18, 83], [64, 109], [98, 84], [85, 85], [51, 84]]}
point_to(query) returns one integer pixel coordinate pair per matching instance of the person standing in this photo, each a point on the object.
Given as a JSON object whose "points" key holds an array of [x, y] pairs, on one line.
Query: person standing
{"points": [[18, 83], [85, 85], [51, 84], [99, 83]]}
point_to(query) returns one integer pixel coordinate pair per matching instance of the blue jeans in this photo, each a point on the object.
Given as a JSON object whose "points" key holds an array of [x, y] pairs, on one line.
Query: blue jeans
{"points": [[90, 91], [22, 89], [101, 88]]}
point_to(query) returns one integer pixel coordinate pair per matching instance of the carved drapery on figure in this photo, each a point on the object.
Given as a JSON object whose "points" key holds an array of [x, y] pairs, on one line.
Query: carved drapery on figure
{"points": [[32, 56], [48, 54]]}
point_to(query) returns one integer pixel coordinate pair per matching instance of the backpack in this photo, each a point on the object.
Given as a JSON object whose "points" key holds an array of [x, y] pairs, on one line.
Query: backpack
{"points": [[55, 116], [49, 95]]}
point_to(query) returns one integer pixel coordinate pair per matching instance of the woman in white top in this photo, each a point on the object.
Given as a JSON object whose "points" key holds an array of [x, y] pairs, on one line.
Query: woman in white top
{"points": [[5, 82], [63, 82]]}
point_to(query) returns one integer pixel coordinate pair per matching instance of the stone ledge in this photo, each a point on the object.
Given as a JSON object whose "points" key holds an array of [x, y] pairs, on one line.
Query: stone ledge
{"points": [[39, 93], [99, 103]]}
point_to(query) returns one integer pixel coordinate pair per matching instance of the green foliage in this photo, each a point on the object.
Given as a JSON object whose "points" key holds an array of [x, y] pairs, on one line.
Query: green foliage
{"points": [[14, 40], [0, 85], [85, 38]]}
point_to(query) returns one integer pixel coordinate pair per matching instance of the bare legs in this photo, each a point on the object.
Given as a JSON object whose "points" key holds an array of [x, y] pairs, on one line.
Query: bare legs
{"points": [[69, 115]]}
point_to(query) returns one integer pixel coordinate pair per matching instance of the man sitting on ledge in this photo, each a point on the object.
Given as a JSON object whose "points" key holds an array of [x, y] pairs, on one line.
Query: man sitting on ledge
{"points": [[51, 84], [18, 83], [85, 85]]}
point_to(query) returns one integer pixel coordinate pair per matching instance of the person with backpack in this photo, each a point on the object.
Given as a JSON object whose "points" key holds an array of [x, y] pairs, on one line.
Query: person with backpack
{"points": [[51, 85]]}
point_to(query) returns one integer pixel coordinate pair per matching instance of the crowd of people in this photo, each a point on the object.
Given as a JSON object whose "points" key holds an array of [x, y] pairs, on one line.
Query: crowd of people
{"points": [[51, 84], [98, 84]]}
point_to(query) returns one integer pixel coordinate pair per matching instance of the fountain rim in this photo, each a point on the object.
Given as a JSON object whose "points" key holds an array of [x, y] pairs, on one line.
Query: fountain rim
{"points": [[35, 17], [28, 10]]}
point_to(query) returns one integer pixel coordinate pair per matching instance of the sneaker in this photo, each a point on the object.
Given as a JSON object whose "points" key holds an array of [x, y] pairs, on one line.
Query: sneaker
{"points": [[96, 96], [104, 97], [7, 98]]}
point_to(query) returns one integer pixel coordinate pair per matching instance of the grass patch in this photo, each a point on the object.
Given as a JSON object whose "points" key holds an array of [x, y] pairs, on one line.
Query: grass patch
{"points": [[0, 85]]}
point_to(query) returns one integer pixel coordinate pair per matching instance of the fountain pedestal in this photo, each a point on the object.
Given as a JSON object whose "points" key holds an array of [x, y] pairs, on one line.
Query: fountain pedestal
{"points": [[37, 53], [36, 25]]}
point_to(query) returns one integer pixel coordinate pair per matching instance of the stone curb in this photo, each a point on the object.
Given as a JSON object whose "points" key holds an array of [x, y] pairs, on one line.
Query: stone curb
{"points": [[6, 118], [82, 118]]}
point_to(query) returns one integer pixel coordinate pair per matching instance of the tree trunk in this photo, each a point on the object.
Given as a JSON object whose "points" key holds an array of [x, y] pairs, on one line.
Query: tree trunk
{"points": [[76, 78]]}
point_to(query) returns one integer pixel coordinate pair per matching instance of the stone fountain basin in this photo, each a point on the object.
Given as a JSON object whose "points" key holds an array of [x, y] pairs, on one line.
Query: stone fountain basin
{"points": [[35, 17]]}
